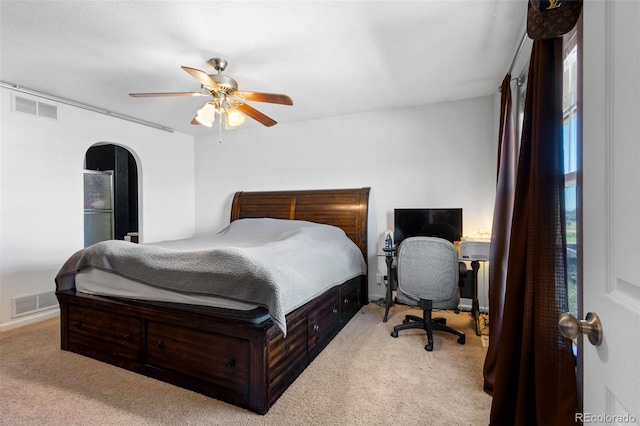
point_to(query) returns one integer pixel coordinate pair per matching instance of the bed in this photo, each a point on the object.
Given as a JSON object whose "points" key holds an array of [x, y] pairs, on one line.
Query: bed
{"points": [[240, 356]]}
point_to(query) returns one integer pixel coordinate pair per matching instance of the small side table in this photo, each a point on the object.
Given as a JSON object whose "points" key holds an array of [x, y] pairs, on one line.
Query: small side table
{"points": [[389, 253], [475, 305]]}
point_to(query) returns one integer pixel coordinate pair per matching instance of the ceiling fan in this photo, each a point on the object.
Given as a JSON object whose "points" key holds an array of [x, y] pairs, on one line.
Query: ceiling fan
{"points": [[228, 102]]}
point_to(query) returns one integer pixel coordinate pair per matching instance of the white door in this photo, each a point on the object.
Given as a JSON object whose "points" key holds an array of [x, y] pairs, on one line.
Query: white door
{"points": [[611, 213]]}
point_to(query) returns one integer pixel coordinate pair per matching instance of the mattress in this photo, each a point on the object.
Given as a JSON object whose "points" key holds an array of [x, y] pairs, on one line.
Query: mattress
{"points": [[253, 263], [101, 283]]}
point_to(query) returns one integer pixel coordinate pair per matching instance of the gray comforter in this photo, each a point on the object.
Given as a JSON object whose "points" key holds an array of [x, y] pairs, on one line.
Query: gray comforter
{"points": [[277, 264]]}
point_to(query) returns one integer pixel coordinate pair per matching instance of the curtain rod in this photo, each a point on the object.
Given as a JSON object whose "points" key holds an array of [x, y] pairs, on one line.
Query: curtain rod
{"points": [[84, 106], [515, 57]]}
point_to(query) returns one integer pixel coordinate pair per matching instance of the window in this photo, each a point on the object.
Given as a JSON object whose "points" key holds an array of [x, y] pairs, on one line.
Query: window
{"points": [[571, 163]]}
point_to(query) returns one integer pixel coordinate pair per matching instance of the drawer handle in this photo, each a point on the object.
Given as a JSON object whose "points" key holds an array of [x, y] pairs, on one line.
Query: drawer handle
{"points": [[346, 301], [158, 345], [127, 337], [316, 327], [77, 324], [334, 311], [230, 364]]}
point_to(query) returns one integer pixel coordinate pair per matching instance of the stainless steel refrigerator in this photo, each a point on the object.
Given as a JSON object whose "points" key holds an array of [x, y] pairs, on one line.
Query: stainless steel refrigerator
{"points": [[98, 206]]}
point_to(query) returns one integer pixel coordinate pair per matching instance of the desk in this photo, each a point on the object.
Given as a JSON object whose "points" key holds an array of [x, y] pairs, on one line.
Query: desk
{"points": [[475, 305]]}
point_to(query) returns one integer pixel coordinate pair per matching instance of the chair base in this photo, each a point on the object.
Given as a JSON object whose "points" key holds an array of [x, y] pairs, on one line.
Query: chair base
{"points": [[431, 324]]}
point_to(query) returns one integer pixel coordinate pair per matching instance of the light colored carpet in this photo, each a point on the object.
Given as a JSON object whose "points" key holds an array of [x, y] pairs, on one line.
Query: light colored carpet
{"points": [[364, 377]]}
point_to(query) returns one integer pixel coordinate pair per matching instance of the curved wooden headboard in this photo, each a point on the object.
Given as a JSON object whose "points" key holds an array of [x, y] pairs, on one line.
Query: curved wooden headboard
{"points": [[344, 208]]}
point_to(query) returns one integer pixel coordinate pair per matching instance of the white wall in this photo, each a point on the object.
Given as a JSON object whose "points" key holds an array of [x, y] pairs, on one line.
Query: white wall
{"points": [[41, 197], [440, 155], [429, 156]]}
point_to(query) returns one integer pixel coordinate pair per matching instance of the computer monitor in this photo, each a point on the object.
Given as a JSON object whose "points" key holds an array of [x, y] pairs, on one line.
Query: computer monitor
{"points": [[442, 222]]}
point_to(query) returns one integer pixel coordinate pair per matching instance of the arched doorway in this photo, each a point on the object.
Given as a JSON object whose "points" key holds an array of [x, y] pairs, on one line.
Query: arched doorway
{"points": [[111, 193]]}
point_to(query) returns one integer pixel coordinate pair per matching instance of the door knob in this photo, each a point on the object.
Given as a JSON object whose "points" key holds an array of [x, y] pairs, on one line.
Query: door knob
{"points": [[571, 327]]}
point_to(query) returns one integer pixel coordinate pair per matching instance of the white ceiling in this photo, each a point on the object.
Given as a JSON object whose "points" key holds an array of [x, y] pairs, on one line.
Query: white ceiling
{"points": [[331, 57]]}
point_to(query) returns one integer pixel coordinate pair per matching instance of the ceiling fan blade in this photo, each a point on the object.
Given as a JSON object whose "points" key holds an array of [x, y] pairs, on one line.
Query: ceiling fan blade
{"points": [[256, 115], [151, 95], [273, 98], [202, 77]]}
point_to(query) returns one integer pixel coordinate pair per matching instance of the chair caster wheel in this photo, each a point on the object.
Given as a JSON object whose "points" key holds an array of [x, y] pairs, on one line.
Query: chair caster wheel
{"points": [[429, 347], [394, 334], [462, 340], [456, 310]]}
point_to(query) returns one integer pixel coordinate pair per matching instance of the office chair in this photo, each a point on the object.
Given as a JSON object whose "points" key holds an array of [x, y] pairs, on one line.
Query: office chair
{"points": [[428, 277]]}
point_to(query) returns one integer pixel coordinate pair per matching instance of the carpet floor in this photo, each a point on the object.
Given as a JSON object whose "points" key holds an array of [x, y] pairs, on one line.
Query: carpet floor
{"points": [[363, 377]]}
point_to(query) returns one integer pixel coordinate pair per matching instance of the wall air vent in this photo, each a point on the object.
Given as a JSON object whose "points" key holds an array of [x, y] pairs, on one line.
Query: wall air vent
{"points": [[47, 111], [28, 106], [33, 303], [35, 108]]}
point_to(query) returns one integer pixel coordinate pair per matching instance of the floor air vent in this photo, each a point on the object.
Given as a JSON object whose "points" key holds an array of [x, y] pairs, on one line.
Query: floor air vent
{"points": [[36, 108], [33, 303]]}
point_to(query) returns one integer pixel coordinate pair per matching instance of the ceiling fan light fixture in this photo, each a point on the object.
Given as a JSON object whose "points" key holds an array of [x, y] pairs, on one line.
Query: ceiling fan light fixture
{"points": [[207, 114], [234, 117], [199, 120]]}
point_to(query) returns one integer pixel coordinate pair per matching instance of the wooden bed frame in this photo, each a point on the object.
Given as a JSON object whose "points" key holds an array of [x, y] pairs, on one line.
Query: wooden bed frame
{"points": [[245, 363]]}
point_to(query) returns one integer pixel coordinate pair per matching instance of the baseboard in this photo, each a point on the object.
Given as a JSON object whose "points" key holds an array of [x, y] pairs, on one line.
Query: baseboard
{"points": [[31, 319], [465, 305]]}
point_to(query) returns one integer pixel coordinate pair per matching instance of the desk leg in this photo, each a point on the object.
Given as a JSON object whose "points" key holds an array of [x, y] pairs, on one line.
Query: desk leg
{"points": [[389, 260], [475, 305]]}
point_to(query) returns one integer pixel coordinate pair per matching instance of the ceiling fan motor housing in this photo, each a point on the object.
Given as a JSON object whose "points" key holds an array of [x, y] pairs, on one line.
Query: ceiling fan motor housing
{"points": [[227, 84]]}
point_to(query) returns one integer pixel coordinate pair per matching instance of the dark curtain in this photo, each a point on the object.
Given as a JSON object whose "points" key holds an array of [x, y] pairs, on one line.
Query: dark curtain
{"points": [[535, 380], [501, 228]]}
